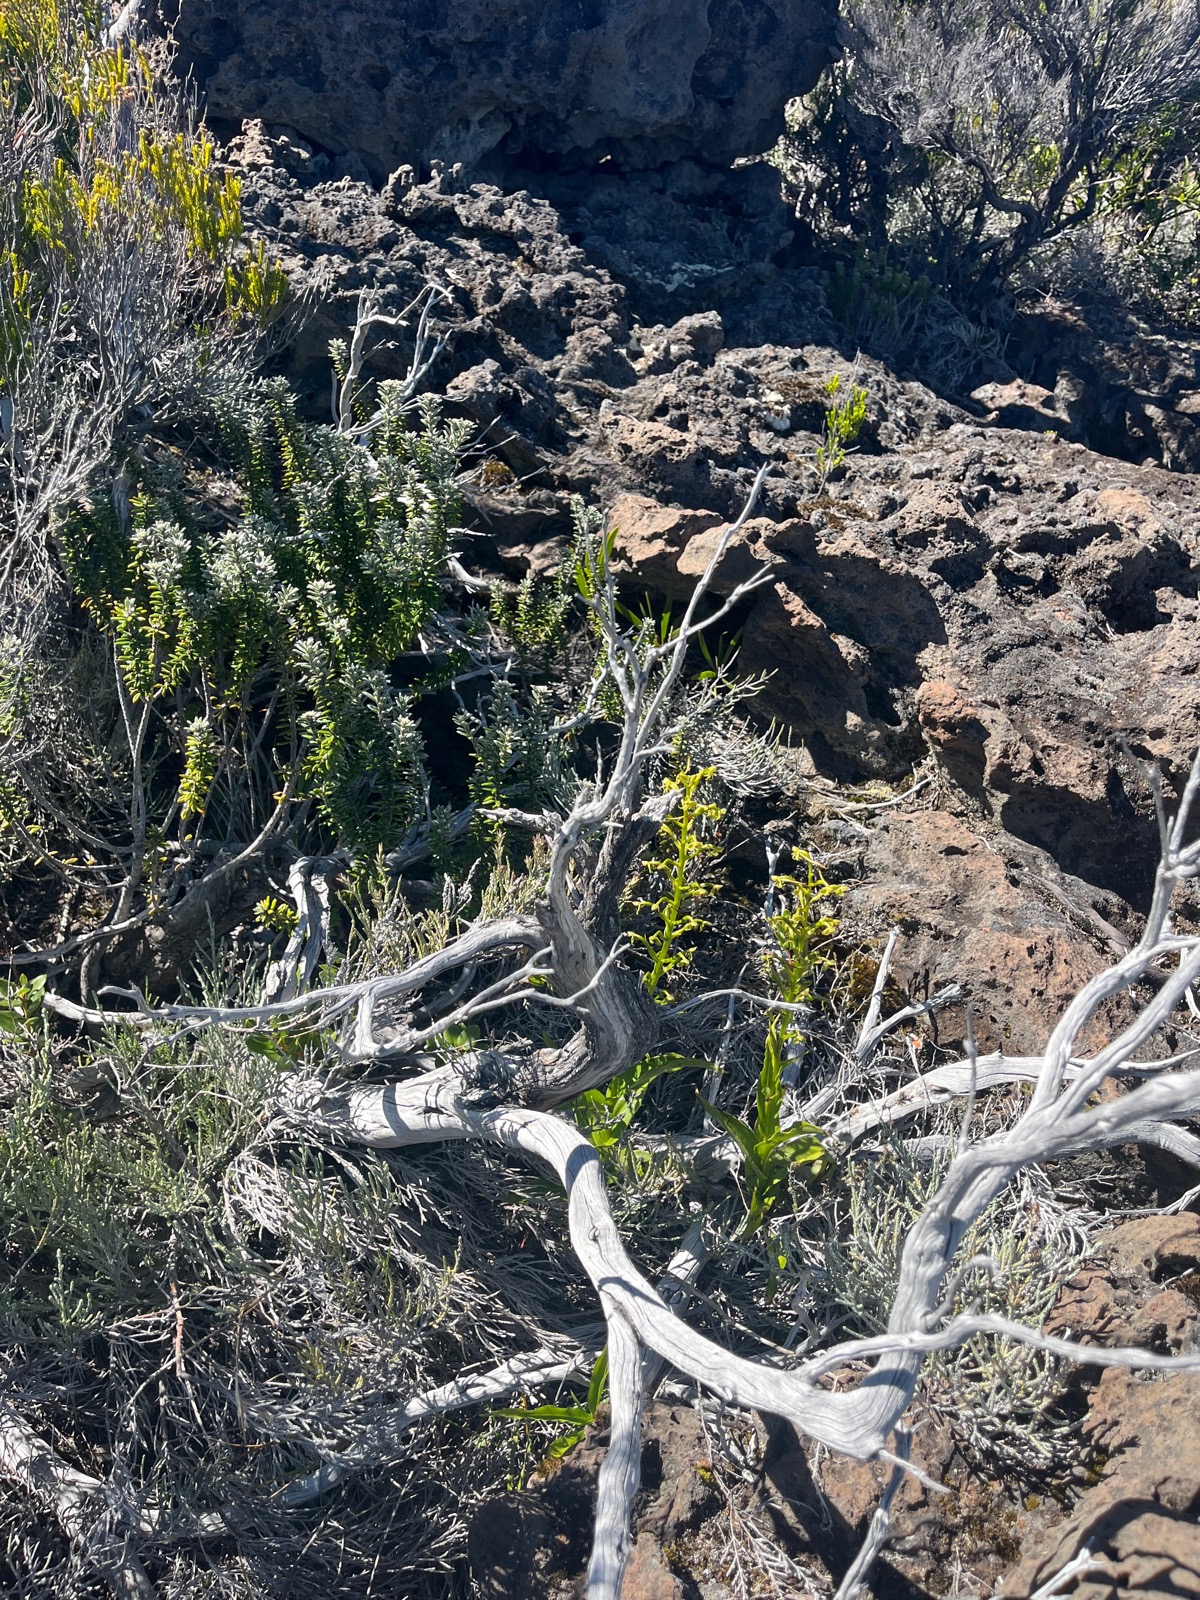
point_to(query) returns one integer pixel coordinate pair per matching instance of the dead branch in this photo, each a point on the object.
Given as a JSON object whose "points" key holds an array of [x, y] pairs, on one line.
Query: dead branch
{"points": [[78, 1502], [504, 1096]]}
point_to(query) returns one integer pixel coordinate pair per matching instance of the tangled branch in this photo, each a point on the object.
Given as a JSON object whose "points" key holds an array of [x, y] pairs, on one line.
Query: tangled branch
{"points": [[506, 1098]]}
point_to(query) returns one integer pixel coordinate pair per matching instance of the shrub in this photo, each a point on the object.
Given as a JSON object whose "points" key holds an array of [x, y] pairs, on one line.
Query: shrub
{"points": [[121, 256], [127, 295], [261, 644], [959, 139]]}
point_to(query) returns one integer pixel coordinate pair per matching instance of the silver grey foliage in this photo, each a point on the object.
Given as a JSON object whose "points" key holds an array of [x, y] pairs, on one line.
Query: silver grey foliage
{"points": [[967, 135]]}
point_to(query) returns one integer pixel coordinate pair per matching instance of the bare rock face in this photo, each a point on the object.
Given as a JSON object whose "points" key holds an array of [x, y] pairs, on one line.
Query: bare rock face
{"points": [[1131, 1495], [644, 81], [1138, 1522], [534, 1545], [965, 909]]}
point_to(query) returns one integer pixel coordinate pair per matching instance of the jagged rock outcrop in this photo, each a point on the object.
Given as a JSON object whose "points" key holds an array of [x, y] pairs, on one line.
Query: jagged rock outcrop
{"points": [[642, 81], [1011, 605]]}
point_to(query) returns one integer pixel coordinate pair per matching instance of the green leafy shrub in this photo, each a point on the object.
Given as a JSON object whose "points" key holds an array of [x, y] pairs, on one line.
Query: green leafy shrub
{"points": [[606, 1115], [844, 420], [122, 260], [128, 297], [263, 643], [572, 1421], [802, 930]]}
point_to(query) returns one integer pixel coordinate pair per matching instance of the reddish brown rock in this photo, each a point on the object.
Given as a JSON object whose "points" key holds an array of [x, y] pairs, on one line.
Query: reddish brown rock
{"points": [[534, 1545], [1113, 1301], [965, 918], [1141, 1516], [649, 537], [1154, 1248], [648, 1577]]}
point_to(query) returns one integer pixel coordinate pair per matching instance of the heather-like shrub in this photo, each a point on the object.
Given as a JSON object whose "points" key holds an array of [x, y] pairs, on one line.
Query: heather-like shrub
{"points": [[121, 264], [957, 142], [258, 644]]}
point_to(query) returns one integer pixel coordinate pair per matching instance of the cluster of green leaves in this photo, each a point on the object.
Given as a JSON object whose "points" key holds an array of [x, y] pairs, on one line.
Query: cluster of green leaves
{"points": [[536, 618], [572, 1421], [1148, 228], [801, 935], [521, 755], [275, 915], [606, 1115], [687, 848], [264, 644], [844, 420], [20, 1003], [94, 163], [519, 758]]}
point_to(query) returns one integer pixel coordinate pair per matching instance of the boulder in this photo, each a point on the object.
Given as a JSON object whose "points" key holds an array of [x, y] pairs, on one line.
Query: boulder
{"points": [[642, 81], [974, 913]]}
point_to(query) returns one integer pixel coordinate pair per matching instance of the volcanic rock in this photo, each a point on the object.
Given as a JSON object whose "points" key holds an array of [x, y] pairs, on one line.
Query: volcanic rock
{"points": [[1139, 1520], [1011, 607], [641, 81]]}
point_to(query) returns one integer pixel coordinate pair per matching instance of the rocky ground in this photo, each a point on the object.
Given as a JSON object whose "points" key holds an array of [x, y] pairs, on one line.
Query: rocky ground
{"points": [[982, 608], [709, 1491]]}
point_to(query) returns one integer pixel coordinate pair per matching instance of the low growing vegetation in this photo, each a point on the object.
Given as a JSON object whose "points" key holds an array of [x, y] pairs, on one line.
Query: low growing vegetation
{"points": [[341, 890]]}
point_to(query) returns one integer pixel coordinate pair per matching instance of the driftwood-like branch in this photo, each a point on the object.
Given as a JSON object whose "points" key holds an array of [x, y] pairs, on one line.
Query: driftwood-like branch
{"points": [[79, 1503], [308, 884], [368, 318], [854, 1582], [574, 942], [381, 1436], [859, 1422]]}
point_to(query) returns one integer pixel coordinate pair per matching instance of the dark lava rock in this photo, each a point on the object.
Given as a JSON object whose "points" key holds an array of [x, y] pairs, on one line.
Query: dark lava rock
{"points": [[1015, 607], [643, 81], [535, 1545]]}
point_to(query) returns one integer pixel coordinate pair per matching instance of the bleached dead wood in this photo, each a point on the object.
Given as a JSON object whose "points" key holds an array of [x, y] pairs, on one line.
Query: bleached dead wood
{"points": [[368, 318], [79, 1503], [505, 1097]]}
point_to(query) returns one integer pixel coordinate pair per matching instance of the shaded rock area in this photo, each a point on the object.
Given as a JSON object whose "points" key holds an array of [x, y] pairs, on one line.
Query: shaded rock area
{"points": [[1134, 394], [710, 1493], [1004, 607], [390, 81], [537, 1542], [983, 912]]}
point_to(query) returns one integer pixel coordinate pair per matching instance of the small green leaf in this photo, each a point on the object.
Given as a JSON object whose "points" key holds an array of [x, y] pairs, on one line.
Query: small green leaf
{"points": [[573, 1414], [599, 1383]]}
